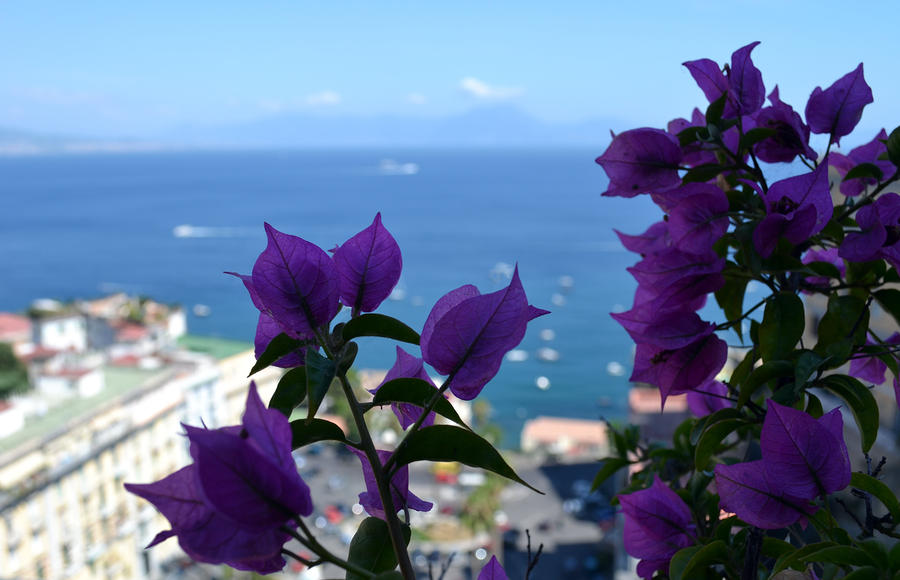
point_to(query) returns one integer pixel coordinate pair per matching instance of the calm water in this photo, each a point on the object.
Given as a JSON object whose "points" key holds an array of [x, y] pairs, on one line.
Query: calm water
{"points": [[82, 226]]}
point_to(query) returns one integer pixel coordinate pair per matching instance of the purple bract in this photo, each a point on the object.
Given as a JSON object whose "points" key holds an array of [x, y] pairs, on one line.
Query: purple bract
{"points": [[838, 109], [369, 264], [401, 497], [641, 160]]}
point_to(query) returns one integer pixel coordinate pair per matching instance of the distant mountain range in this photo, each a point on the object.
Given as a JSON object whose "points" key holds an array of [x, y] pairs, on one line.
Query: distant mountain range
{"points": [[494, 126]]}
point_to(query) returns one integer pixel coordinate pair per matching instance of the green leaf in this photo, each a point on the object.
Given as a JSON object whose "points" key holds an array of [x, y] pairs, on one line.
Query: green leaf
{"points": [[306, 431], [680, 561], [782, 326], [610, 466], [864, 573], [277, 348], [346, 357], [865, 170], [416, 392], [877, 552], [691, 135], [881, 491], [702, 173], [713, 438], [861, 403], [762, 375], [720, 415], [371, 549], [841, 555], [715, 109], [807, 363], [754, 136], [450, 443], [290, 392], [889, 299], [824, 269], [730, 298], [319, 374], [392, 575], [894, 557], [775, 548], [842, 328], [380, 325], [795, 557], [712, 553], [893, 147]]}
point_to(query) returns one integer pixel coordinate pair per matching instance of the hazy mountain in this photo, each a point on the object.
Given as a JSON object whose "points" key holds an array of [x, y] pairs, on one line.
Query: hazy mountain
{"points": [[490, 126]]}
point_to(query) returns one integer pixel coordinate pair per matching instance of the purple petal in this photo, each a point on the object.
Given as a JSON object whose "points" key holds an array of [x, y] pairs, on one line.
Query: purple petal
{"points": [[745, 490], [708, 399], [248, 284], [681, 370], [791, 136], [369, 264], [470, 339], [656, 522], [493, 571], [266, 330], [641, 160], [444, 305], [400, 494], [241, 483], [838, 109], [297, 282], [270, 430], [656, 238], [698, 216], [745, 81], [665, 330], [709, 77], [867, 153], [801, 454]]}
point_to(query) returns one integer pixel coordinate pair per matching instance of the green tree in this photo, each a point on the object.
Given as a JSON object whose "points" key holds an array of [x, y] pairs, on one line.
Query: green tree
{"points": [[13, 374]]}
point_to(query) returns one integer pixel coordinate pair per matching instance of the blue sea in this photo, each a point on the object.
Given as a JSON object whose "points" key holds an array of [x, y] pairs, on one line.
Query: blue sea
{"points": [[87, 225]]}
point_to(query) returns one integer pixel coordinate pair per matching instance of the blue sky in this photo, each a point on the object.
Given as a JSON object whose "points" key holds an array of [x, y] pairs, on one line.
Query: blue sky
{"points": [[123, 68]]}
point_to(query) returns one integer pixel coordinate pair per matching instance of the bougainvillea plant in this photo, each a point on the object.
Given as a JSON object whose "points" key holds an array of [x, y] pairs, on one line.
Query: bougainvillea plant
{"points": [[772, 477], [242, 499]]}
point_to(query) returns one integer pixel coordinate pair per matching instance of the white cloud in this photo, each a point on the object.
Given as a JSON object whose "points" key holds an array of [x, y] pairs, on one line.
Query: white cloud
{"points": [[481, 90], [323, 98], [416, 99]]}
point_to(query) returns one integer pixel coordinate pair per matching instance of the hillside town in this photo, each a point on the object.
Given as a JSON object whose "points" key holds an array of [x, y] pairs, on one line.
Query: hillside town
{"points": [[103, 387]]}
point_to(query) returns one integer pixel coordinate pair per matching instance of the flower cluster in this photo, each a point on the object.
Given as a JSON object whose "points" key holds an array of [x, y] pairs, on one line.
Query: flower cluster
{"points": [[234, 503], [725, 225]]}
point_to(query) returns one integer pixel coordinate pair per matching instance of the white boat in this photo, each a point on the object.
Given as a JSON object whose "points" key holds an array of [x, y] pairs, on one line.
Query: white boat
{"points": [[547, 334], [517, 355], [615, 369], [542, 382], [548, 354], [391, 167], [201, 310]]}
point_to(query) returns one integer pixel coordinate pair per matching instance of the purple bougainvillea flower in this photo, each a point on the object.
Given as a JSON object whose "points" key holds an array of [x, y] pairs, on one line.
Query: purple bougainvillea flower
{"points": [[807, 457], [673, 278], [709, 398], [640, 161], [467, 334], [791, 136], [676, 371], [710, 78], [407, 366], [745, 84], [229, 506], [657, 524], [266, 330], [827, 255], [838, 109], [653, 240], [797, 208], [663, 329], [867, 153], [493, 571], [369, 264], [871, 368], [697, 216], [880, 235], [400, 494], [297, 283], [746, 490]]}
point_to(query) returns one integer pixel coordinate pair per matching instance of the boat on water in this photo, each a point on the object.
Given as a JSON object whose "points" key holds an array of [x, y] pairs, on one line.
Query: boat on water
{"points": [[548, 354], [201, 310], [542, 382], [517, 355], [615, 369], [391, 167]]}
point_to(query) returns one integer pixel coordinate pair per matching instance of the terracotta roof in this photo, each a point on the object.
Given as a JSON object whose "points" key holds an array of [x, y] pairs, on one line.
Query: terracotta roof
{"points": [[14, 327], [71, 373], [130, 332], [549, 429], [648, 400], [128, 360], [39, 353]]}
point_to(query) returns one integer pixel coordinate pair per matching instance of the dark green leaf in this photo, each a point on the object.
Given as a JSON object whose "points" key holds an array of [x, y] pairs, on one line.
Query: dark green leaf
{"points": [[416, 392], [842, 328], [795, 557], [814, 406], [720, 415], [861, 402], [878, 489], [713, 553], [889, 299], [760, 376], [392, 575], [864, 573], [371, 548], [877, 552], [754, 136], [807, 363], [379, 325], [702, 173], [450, 443], [842, 555], [304, 432], [824, 269], [346, 357], [610, 466], [893, 147], [865, 170], [894, 557], [680, 561], [715, 109], [775, 548], [290, 392], [277, 348], [691, 135], [714, 437], [782, 326], [731, 299], [319, 374]]}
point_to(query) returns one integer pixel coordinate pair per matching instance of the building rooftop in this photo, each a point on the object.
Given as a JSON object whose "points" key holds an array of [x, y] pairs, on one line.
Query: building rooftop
{"points": [[14, 327], [219, 348]]}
